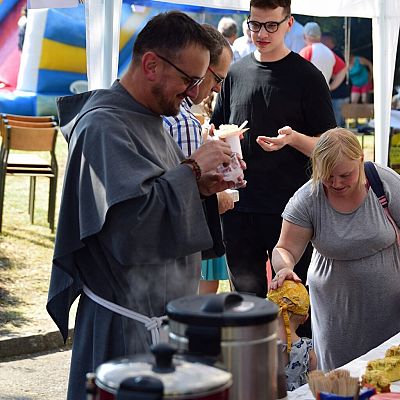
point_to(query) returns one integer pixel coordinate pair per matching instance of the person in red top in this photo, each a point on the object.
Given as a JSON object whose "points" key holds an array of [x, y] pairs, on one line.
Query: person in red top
{"points": [[330, 64]]}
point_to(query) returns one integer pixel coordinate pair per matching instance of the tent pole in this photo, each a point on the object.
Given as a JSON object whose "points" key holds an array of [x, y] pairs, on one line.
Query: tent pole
{"points": [[385, 29], [347, 44], [102, 41]]}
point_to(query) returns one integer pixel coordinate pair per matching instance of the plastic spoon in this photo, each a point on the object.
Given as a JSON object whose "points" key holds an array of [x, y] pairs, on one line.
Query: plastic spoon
{"points": [[243, 125]]}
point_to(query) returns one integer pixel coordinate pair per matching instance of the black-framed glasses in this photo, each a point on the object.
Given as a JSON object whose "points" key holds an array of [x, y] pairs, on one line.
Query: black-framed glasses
{"points": [[218, 79], [269, 26], [193, 80]]}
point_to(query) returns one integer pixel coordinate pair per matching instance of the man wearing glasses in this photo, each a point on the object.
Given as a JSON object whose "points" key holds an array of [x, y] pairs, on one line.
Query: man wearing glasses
{"points": [[132, 226], [281, 95], [186, 130]]}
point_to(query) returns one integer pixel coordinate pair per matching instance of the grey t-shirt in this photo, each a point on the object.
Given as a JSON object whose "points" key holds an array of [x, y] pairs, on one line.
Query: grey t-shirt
{"points": [[354, 273]]}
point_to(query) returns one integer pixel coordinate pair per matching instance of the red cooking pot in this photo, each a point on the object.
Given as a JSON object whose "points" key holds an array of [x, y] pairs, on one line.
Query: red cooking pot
{"points": [[161, 375]]}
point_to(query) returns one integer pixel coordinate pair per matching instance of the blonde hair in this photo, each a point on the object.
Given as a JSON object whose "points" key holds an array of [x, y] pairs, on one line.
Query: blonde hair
{"points": [[332, 147]]}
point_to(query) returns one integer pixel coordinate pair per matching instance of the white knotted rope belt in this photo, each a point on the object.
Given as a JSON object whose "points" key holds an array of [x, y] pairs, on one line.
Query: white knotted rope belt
{"points": [[152, 324]]}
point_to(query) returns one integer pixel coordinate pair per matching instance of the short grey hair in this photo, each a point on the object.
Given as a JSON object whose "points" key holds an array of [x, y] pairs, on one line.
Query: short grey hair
{"points": [[227, 26]]}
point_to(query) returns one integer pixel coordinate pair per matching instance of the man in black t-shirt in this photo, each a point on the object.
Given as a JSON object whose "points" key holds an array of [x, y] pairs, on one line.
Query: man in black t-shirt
{"points": [[281, 95]]}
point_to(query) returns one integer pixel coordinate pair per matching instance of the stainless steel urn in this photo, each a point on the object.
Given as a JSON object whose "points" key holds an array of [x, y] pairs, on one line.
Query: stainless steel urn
{"points": [[239, 330]]}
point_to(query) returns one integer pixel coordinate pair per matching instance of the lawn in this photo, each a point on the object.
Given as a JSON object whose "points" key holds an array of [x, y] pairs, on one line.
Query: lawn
{"points": [[26, 250]]}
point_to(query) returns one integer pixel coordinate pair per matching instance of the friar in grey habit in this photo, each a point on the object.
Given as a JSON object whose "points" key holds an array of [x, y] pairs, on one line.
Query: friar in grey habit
{"points": [[131, 223]]}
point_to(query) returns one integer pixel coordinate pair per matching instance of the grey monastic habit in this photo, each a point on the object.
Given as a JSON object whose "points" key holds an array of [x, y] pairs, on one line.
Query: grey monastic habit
{"points": [[131, 226]]}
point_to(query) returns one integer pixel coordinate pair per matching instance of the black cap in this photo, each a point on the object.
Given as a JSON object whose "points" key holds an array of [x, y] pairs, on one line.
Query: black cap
{"points": [[226, 309]]}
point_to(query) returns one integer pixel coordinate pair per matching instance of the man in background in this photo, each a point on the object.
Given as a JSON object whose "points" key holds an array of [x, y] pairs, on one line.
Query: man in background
{"points": [[294, 39], [332, 67], [243, 45], [186, 130], [227, 26]]}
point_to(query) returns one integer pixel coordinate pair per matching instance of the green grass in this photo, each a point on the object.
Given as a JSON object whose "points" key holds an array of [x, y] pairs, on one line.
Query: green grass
{"points": [[26, 250]]}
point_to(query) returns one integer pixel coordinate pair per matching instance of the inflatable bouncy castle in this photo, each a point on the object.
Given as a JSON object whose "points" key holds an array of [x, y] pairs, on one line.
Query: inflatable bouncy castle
{"points": [[10, 12], [53, 59]]}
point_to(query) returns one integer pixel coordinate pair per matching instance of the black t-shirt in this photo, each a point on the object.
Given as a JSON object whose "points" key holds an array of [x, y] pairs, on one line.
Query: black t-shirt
{"points": [[271, 95]]}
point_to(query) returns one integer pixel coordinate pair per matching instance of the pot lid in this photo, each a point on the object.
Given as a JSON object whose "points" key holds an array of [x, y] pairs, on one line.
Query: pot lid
{"points": [[178, 376], [225, 309]]}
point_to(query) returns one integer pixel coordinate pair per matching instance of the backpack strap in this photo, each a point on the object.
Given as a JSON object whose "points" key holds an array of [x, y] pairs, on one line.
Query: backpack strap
{"points": [[375, 183]]}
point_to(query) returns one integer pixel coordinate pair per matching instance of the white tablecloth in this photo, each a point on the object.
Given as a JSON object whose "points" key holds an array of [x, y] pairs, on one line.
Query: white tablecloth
{"points": [[356, 368]]}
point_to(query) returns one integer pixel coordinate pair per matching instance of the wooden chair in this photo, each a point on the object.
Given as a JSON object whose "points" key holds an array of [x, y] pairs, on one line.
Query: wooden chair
{"points": [[25, 120], [355, 112], [32, 141], [30, 118], [29, 124]]}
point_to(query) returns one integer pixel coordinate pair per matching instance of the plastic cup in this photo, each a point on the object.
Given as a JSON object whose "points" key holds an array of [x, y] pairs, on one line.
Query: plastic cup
{"points": [[234, 142], [233, 172]]}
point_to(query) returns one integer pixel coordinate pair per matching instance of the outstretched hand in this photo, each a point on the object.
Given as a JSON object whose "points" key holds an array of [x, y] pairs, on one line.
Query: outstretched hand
{"points": [[225, 202], [276, 143]]}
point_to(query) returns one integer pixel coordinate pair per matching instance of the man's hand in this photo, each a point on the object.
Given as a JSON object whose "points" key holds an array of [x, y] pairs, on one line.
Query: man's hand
{"points": [[207, 132], [225, 202], [212, 182], [285, 136], [211, 154]]}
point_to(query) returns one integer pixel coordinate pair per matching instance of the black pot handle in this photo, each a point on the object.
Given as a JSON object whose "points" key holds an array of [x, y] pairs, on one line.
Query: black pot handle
{"points": [[140, 388], [163, 353], [221, 302]]}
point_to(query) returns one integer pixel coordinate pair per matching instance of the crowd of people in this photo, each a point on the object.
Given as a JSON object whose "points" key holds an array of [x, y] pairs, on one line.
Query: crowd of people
{"points": [[145, 214]]}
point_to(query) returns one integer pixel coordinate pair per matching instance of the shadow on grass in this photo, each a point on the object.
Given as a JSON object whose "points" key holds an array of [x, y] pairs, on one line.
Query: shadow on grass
{"points": [[9, 304], [35, 238], [8, 313]]}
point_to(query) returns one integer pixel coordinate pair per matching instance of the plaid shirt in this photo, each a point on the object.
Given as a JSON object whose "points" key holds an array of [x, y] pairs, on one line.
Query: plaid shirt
{"points": [[184, 128]]}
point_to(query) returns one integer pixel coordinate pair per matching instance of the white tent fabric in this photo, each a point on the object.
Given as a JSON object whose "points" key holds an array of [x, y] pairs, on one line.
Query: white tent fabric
{"points": [[385, 16]]}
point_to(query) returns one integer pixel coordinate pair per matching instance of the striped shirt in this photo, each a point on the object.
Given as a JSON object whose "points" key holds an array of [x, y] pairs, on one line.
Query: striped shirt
{"points": [[184, 128]]}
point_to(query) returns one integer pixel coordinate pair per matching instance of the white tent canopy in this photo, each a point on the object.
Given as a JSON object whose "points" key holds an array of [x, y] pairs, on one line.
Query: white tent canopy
{"points": [[385, 16]]}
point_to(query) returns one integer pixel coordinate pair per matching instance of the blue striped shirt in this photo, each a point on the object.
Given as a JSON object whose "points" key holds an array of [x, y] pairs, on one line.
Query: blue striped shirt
{"points": [[185, 128]]}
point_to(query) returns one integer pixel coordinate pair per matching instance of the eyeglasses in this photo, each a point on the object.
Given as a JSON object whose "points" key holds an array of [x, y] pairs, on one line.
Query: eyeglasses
{"points": [[217, 78], [269, 26], [192, 80]]}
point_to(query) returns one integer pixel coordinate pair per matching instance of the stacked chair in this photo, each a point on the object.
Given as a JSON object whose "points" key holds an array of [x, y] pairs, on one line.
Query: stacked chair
{"points": [[355, 112], [25, 140]]}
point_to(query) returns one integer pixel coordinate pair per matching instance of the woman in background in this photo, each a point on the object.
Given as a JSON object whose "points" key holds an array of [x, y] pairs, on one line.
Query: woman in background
{"points": [[360, 74]]}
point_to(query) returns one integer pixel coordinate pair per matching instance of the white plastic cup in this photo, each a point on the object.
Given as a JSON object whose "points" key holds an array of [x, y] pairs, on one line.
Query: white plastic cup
{"points": [[234, 142]]}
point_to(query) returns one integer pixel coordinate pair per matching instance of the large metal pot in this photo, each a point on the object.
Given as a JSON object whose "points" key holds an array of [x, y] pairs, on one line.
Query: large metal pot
{"points": [[239, 330], [158, 376]]}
